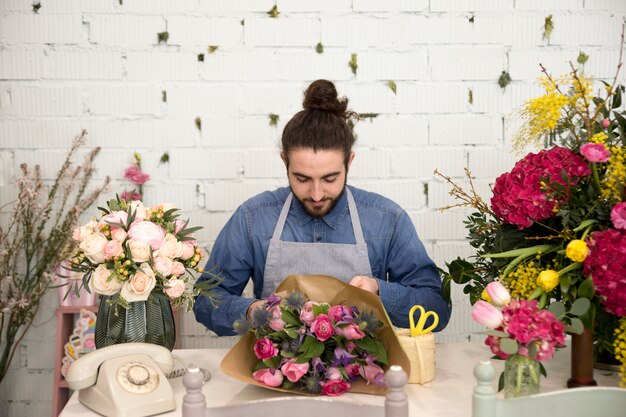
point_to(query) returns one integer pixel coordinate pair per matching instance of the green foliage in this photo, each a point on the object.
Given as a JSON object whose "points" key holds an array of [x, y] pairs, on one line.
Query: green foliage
{"points": [[548, 27], [165, 158], [163, 37], [198, 123], [504, 79], [319, 48], [470, 96], [273, 12], [164, 96], [36, 7], [392, 85], [273, 119], [582, 58], [200, 57], [213, 48], [353, 64]]}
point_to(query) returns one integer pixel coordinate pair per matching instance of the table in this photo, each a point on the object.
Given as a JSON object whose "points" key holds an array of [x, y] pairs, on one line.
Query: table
{"points": [[449, 394]]}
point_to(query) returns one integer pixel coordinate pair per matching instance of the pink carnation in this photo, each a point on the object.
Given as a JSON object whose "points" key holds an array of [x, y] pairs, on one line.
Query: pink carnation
{"points": [[517, 195], [618, 216], [134, 174], [595, 152], [606, 264]]}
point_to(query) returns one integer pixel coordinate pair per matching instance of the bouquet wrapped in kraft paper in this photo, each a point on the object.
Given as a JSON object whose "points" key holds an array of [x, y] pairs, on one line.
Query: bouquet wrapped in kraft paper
{"points": [[242, 361]]}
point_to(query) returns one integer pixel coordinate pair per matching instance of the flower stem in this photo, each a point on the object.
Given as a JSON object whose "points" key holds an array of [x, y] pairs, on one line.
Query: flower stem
{"points": [[596, 179]]}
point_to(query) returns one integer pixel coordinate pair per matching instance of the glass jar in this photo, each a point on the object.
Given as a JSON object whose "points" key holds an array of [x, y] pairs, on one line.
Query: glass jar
{"points": [[521, 376]]}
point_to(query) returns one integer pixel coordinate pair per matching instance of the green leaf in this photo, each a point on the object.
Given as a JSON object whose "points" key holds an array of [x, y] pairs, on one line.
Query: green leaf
{"points": [[292, 333], [501, 382], [584, 224], [576, 326], [565, 282], [272, 362], [621, 120], [586, 289], [542, 370], [509, 346], [538, 292], [617, 98], [557, 308], [374, 347], [459, 270], [311, 348], [580, 306], [446, 289], [518, 252], [496, 333], [542, 300], [290, 317]]}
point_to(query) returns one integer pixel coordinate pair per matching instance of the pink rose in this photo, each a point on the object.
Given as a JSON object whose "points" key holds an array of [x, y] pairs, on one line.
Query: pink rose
{"points": [[322, 327], [352, 370], [265, 349], [175, 288], [487, 315], [93, 247], [334, 374], [370, 372], [178, 225], [81, 233], [171, 247], [119, 234], [618, 216], [306, 314], [294, 371], [139, 251], [276, 320], [188, 251], [140, 284], [112, 248], [148, 232], [350, 332], [104, 282], [134, 174], [595, 152], [340, 313], [268, 376], [178, 268], [139, 210], [335, 388], [163, 265]]}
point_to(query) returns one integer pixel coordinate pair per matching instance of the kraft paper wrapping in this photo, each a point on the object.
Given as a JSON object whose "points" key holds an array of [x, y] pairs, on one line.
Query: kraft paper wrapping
{"points": [[240, 360], [421, 353]]}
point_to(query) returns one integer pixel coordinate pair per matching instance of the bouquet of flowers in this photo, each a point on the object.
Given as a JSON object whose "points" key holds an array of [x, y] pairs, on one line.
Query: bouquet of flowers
{"points": [[316, 335], [520, 331], [140, 252], [555, 229], [314, 347]]}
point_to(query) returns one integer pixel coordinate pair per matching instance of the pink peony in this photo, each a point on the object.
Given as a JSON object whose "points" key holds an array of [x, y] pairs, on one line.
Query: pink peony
{"points": [[606, 264], [265, 349], [268, 376], [335, 388], [112, 248], [114, 217], [595, 152], [487, 315], [134, 174], [618, 216], [294, 371], [518, 197], [148, 232], [175, 288], [178, 268], [276, 321], [322, 327], [306, 314]]}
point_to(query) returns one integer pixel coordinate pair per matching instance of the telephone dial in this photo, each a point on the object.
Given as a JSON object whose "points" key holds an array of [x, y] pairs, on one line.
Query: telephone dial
{"points": [[125, 380]]}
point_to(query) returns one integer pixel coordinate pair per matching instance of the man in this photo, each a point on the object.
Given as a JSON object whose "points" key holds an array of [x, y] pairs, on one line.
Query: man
{"points": [[319, 225]]}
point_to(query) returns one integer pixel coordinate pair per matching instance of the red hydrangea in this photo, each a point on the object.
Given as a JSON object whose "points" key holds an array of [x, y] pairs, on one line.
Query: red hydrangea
{"points": [[517, 195], [606, 263], [526, 324]]}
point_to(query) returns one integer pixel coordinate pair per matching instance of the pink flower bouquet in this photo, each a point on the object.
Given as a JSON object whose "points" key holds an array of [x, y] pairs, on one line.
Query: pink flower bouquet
{"points": [[342, 341], [138, 253]]}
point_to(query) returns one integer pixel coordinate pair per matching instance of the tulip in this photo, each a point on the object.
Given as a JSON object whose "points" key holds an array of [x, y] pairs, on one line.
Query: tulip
{"points": [[548, 279], [269, 376], [577, 250], [487, 315], [605, 123], [498, 294]]}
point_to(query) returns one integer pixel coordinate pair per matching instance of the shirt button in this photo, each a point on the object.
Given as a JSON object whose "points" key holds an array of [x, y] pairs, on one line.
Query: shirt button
{"points": [[318, 239]]}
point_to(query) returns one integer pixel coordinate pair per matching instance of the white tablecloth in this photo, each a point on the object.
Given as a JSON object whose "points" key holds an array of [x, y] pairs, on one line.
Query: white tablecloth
{"points": [[449, 394]]}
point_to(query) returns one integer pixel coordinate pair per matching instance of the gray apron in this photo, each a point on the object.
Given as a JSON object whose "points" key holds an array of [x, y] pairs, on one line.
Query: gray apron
{"points": [[340, 260]]}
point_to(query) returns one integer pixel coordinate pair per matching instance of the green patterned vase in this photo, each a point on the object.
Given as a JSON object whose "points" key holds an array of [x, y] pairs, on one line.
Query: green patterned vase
{"points": [[144, 322]]}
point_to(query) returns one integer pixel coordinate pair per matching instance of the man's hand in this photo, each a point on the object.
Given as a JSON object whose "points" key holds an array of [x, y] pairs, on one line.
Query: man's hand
{"points": [[365, 283], [253, 307]]}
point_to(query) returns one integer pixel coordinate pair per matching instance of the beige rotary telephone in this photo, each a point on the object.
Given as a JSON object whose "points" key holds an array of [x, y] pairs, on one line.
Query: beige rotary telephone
{"points": [[125, 380]]}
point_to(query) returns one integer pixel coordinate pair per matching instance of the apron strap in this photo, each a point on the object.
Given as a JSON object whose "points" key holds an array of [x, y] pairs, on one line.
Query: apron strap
{"points": [[354, 216]]}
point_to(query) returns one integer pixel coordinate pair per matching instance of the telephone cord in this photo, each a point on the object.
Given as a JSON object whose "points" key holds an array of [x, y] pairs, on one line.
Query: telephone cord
{"points": [[206, 375]]}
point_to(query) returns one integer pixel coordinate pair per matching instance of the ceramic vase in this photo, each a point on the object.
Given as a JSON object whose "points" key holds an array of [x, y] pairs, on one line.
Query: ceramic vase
{"points": [[144, 322], [521, 376]]}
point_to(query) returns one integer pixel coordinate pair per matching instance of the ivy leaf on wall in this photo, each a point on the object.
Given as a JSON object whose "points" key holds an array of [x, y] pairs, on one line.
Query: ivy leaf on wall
{"points": [[548, 26], [36, 7], [319, 48], [273, 119], [274, 12], [198, 122], [582, 58], [353, 65], [392, 84], [504, 79], [165, 158], [212, 48], [163, 37]]}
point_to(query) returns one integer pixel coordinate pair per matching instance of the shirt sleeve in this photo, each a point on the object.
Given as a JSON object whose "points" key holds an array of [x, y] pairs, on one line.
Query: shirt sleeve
{"points": [[413, 278], [231, 259]]}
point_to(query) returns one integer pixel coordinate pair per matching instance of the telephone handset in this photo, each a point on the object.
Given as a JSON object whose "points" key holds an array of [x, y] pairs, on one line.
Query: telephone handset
{"points": [[124, 380]]}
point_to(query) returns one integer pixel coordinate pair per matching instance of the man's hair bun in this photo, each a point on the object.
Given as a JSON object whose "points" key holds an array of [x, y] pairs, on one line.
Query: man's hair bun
{"points": [[322, 95]]}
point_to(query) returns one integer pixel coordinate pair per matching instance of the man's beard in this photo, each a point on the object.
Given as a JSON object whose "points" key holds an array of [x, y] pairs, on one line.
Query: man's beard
{"points": [[318, 214]]}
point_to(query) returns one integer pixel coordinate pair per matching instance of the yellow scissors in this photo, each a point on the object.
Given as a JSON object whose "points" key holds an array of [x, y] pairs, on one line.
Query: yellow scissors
{"points": [[419, 330]]}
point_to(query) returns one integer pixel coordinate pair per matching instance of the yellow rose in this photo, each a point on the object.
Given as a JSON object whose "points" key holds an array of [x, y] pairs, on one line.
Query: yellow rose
{"points": [[548, 280], [577, 250]]}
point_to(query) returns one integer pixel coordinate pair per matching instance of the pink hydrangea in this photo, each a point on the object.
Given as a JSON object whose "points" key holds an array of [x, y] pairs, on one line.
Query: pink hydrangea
{"points": [[517, 195], [606, 264], [527, 325]]}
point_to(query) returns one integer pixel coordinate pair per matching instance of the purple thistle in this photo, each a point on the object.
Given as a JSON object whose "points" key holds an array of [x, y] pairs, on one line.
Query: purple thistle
{"points": [[272, 301]]}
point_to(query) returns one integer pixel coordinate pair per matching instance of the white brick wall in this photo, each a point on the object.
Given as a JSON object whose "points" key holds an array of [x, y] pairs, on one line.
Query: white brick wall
{"points": [[97, 64]]}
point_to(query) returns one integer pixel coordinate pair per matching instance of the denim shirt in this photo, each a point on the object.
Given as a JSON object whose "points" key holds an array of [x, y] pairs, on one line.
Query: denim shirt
{"points": [[406, 275]]}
